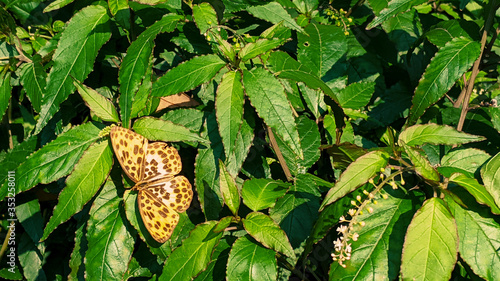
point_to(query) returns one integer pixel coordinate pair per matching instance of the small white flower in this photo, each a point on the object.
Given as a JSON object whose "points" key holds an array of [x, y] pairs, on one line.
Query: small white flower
{"points": [[355, 237], [348, 249], [342, 229], [338, 245]]}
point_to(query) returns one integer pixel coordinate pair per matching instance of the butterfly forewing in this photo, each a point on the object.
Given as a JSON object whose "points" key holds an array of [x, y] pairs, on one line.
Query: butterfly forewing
{"points": [[129, 148], [159, 219]]}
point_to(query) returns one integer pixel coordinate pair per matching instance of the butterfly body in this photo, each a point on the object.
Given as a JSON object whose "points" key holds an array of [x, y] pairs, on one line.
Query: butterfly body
{"points": [[153, 167]]}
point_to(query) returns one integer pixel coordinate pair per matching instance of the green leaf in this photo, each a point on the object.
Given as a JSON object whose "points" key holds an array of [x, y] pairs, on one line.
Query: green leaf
{"points": [[431, 243], [219, 262], [7, 23], [447, 66], [101, 106], [225, 47], [395, 7], [110, 243], [244, 141], [435, 134], [116, 5], [356, 174], [151, 2], [83, 183], [422, 165], [29, 215], [377, 252], [137, 62], [76, 262], [273, 12], [188, 117], [157, 129], [207, 170], [306, 6], [321, 47], [86, 32], [205, 17], [314, 99], [403, 30], [187, 76], [136, 270], [229, 109], [444, 31], [30, 251], [5, 92], [286, 67], [57, 158], [250, 261], [356, 95], [14, 158], [490, 173], [269, 99], [393, 105], [259, 194], [310, 141], [259, 47], [142, 103], [344, 154], [33, 80], [30, 258], [263, 229], [121, 12], [193, 255], [466, 161], [238, 5], [222, 224], [57, 4], [477, 190], [479, 238], [494, 113], [228, 189], [297, 210]]}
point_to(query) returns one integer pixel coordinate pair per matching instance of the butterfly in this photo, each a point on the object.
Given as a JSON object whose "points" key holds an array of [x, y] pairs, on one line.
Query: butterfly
{"points": [[153, 167]]}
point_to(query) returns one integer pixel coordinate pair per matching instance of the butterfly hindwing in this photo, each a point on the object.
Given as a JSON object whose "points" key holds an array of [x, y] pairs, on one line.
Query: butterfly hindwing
{"points": [[176, 192], [159, 219]]}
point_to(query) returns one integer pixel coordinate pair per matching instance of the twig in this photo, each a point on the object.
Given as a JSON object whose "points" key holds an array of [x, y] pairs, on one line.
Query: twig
{"points": [[22, 57], [475, 68], [5, 243], [460, 98], [277, 150], [9, 119]]}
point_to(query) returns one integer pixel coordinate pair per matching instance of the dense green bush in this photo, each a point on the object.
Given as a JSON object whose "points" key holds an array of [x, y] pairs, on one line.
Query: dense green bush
{"points": [[325, 140]]}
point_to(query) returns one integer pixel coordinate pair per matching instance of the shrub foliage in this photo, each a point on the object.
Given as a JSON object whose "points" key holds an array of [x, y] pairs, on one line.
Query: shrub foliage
{"points": [[325, 140]]}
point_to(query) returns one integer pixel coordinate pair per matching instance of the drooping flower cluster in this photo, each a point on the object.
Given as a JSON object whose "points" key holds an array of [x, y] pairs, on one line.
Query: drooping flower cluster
{"points": [[343, 248], [349, 227]]}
